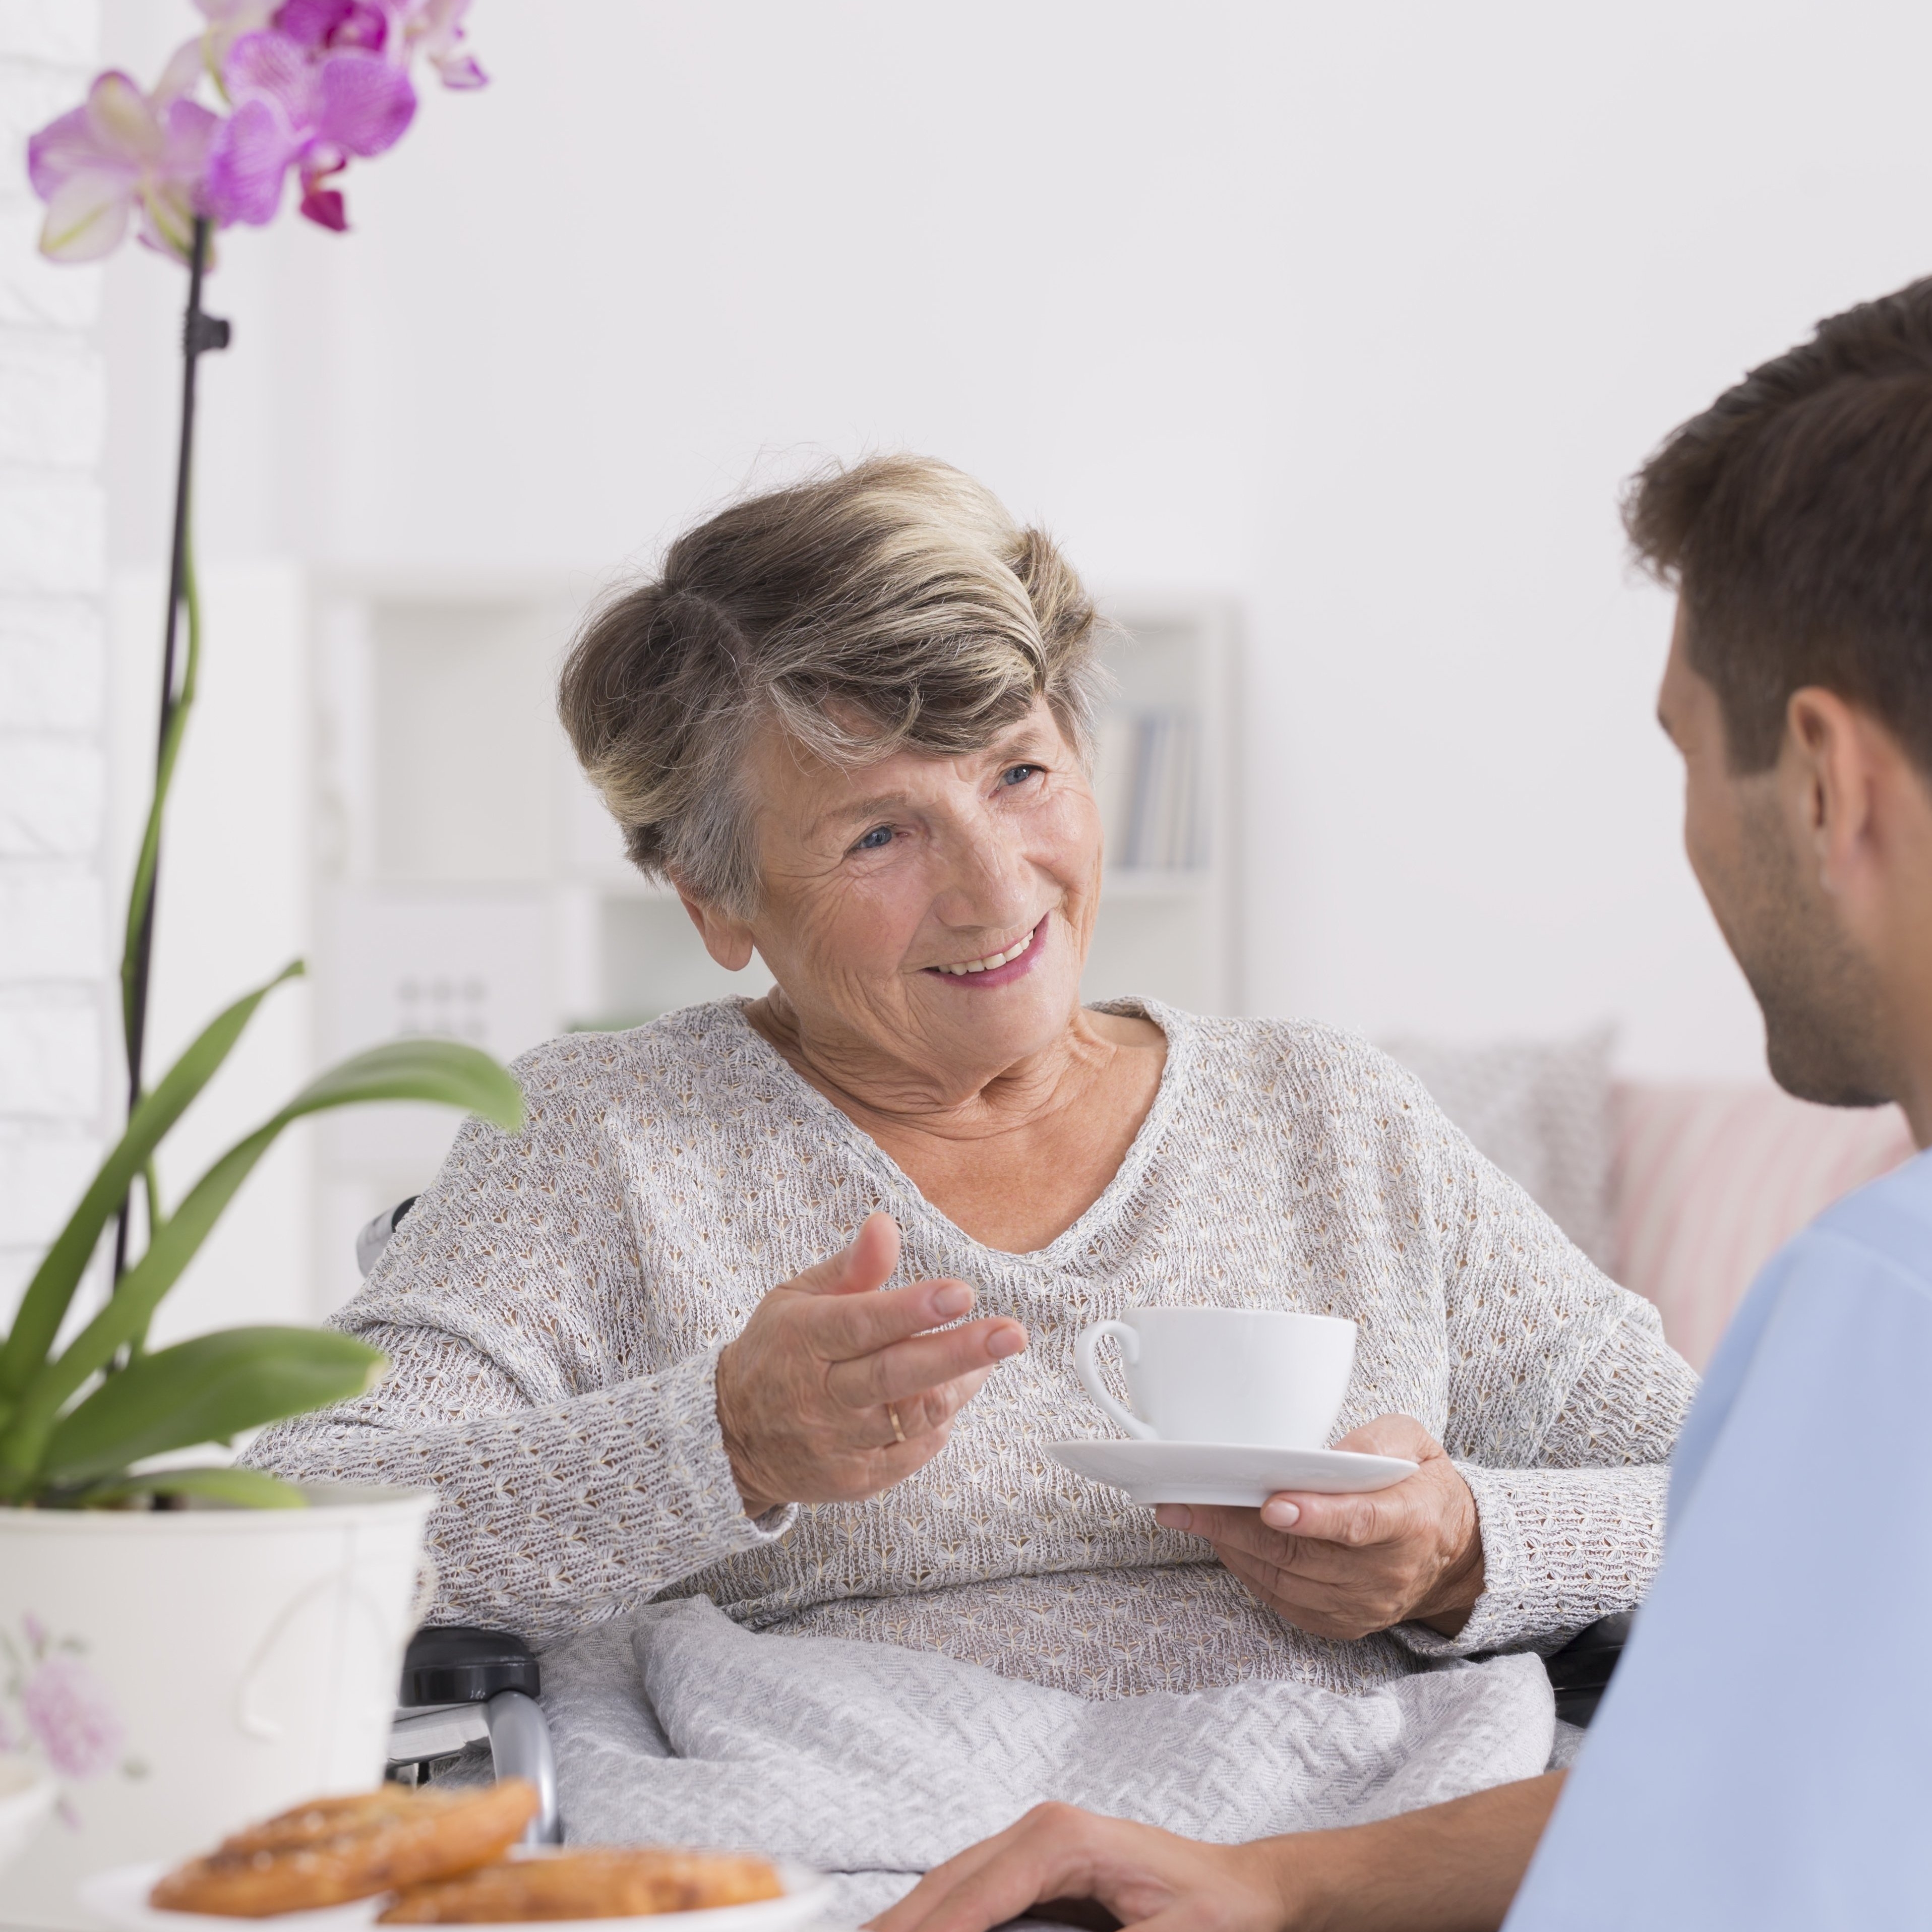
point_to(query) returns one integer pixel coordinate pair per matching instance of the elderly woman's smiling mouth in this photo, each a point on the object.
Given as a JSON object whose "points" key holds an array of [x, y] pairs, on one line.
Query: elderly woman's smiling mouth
{"points": [[1000, 967]]}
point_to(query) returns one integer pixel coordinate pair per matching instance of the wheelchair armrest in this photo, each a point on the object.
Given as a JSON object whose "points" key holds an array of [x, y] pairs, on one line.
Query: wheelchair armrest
{"points": [[458, 1664], [1580, 1671], [519, 1747], [461, 1685]]}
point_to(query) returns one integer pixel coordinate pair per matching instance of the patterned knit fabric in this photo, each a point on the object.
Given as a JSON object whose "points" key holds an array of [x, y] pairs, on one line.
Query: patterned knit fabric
{"points": [[554, 1304]]}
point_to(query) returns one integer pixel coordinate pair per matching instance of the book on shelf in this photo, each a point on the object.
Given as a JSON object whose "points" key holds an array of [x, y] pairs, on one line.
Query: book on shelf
{"points": [[1148, 784]]}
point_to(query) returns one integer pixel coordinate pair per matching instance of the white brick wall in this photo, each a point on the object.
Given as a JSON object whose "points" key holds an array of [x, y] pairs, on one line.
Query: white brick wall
{"points": [[56, 1073]]}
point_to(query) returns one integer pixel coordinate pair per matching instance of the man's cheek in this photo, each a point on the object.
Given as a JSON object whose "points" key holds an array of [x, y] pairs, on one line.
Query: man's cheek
{"points": [[1710, 839]]}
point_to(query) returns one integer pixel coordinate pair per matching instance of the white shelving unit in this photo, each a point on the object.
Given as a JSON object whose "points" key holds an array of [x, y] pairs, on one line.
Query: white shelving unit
{"points": [[1172, 932], [468, 882]]}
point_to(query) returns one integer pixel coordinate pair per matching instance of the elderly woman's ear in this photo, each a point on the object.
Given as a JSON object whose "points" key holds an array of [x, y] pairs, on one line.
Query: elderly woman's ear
{"points": [[727, 938]]}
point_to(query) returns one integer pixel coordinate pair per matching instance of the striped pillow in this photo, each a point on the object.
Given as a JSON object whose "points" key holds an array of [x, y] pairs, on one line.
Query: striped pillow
{"points": [[1708, 1182]]}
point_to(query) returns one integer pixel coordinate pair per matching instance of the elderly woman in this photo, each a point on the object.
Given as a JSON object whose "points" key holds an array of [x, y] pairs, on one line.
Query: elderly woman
{"points": [[774, 1302]]}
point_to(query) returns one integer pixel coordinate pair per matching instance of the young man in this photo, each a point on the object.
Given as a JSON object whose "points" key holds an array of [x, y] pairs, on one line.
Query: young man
{"points": [[1761, 1760]]}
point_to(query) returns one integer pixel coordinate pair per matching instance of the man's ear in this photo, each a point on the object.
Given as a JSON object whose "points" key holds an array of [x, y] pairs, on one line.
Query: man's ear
{"points": [[1839, 760], [727, 938]]}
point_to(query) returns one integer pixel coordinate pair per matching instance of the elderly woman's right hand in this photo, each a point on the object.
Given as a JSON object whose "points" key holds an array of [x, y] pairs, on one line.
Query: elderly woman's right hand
{"points": [[808, 1394]]}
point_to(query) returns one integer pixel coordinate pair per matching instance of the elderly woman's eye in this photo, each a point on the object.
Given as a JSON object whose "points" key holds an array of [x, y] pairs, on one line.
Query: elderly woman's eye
{"points": [[1018, 774], [879, 835]]}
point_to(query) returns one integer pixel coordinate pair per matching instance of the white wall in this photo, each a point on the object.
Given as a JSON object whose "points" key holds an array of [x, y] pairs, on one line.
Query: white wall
{"points": [[55, 1002], [1357, 315]]}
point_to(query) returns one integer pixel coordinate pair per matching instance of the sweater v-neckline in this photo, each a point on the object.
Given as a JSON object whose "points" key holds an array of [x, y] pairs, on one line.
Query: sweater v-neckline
{"points": [[1092, 1228]]}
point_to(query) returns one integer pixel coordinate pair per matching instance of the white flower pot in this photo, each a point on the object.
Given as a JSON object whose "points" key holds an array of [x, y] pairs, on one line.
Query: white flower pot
{"points": [[181, 1671], [27, 1795]]}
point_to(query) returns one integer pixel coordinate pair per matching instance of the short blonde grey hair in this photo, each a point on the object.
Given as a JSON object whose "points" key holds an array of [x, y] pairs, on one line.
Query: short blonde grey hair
{"points": [[890, 605]]}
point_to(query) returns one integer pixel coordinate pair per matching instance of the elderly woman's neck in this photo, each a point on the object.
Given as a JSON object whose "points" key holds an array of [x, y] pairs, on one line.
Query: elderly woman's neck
{"points": [[1012, 1154], [945, 1093]]}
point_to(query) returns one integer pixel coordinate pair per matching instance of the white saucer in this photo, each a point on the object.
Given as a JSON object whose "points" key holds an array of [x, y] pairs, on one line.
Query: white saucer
{"points": [[1226, 1472], [120, 1897]]}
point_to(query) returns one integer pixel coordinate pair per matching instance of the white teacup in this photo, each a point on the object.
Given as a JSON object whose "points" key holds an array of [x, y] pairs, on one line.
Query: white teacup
{"points": [[1260, 1378]]}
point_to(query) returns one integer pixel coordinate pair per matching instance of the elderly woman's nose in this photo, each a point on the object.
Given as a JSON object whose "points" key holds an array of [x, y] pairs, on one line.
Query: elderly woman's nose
{"points": [[991, 883]]}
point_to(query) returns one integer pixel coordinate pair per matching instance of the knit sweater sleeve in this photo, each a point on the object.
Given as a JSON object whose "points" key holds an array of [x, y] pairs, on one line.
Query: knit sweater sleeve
{"points": [[576, 1473], [1564, 1402]]}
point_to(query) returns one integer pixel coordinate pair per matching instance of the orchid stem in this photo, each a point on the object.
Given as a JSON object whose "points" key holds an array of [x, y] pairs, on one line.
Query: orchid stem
{"points": [[199, 334]]}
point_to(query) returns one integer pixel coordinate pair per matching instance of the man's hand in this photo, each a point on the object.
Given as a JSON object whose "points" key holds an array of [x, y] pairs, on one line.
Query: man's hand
{"points": [[1057, 1853], [834, 1391], [1345, 1566], [1451, 1867]]}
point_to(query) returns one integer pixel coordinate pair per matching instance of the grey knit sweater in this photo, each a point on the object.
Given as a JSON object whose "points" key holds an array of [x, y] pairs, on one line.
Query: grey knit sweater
{"points": [[554, 1304]]}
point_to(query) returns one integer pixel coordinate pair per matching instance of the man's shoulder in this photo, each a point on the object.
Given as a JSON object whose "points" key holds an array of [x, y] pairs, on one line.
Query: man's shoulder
{"points": [[1876, 1241], [1889, 1219]]}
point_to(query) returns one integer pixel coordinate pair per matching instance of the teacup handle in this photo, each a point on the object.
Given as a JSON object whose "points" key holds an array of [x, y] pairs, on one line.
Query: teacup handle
{"points": [[1088, 1370]]}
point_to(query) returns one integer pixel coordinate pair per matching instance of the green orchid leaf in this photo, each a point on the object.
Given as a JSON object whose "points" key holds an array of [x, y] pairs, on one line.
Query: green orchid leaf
{"points": [[247, 1489], [49, 1295], [442, 1070], [204, 1390], [439, 1070]]}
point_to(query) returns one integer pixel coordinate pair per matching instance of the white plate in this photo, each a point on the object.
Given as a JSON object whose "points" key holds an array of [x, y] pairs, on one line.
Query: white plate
{"points": [[120, 1897], [1226, 1472]]}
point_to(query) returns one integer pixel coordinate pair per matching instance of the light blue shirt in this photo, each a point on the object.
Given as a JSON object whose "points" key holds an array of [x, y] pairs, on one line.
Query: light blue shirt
{"points": [[1763, 1758]]}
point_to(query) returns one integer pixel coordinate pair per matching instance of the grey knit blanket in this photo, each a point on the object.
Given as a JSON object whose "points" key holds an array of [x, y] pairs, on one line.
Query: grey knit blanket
{"points": [[874, 1763]]}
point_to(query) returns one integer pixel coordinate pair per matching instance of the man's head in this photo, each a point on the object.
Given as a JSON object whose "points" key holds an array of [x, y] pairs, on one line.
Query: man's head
{"points": [[1795, 517]]}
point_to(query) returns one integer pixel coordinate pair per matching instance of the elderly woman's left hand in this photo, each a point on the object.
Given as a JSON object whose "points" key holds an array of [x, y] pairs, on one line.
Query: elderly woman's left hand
{"points": [[1346, 1566]]}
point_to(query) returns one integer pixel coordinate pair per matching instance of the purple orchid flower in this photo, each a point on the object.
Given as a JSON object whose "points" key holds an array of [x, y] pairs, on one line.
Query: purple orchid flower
{"points": [[227, 20], [313, 84], [400, 29], [120, 151], [322, 26], [434, 29], [309, 112]]}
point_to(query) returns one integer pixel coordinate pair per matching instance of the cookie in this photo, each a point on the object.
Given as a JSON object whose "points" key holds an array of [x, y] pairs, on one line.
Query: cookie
{"points": [[592, 1883], [339, 1849]]}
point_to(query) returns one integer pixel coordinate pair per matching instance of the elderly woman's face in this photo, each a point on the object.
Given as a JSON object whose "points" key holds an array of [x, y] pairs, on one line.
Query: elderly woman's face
{"points": [[937, 909]]}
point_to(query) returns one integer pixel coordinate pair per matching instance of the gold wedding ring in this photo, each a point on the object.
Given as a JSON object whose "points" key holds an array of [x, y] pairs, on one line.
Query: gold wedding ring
{"points": [[898, 1434]]}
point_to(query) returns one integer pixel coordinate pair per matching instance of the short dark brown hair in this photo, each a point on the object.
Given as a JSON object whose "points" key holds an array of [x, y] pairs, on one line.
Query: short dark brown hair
{"points": [[891, 605], [1795, 518]]}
